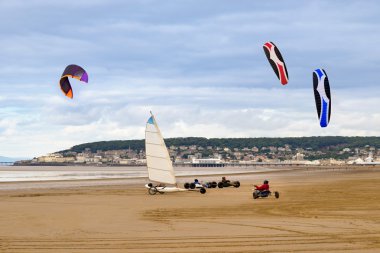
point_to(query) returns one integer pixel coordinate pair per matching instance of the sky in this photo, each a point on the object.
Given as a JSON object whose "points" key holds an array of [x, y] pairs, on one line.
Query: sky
{"points": [[199, 66]]}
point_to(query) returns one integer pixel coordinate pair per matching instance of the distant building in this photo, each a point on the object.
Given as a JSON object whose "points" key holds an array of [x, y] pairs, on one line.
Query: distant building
{"points": [[55, 158], [357, 161], [315, 162], [272, 149], [299, 157], [207, 162]]}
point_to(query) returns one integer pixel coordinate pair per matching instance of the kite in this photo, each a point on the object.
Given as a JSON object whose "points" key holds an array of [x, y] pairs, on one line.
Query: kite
{"points": [[73, 71], [276, 61], [322, 96]]}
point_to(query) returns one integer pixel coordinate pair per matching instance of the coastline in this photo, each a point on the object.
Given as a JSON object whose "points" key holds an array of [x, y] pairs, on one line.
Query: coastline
{"points": [[183, 176], [130, 181]]}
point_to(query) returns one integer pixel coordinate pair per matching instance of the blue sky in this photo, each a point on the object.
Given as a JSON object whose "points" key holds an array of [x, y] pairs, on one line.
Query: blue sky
{"points": [[198, 65]]}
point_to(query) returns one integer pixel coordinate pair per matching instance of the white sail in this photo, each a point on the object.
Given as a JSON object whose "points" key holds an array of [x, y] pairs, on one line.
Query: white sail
{"points": [[159, 165]]}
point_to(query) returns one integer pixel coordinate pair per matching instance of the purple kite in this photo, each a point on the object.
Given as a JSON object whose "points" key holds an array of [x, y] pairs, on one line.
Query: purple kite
{"points": [[73, 71]]}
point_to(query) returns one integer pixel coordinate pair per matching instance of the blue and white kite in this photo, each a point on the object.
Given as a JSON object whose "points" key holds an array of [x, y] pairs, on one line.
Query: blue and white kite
{"points": [[322, 96]]}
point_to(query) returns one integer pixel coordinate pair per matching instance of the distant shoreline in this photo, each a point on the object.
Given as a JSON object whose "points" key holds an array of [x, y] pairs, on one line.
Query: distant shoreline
{"points": [[79, 165], [191, 165], [117, 178]]}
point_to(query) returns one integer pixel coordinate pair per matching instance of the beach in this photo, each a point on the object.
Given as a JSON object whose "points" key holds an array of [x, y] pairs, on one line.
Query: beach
{"points": [[319, 210]]}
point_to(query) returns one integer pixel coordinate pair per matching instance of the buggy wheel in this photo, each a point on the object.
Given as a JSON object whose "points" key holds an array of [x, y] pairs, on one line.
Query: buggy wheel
{"points": [[255, 195], [237, 184], [214, 184], [192, 186], [186, 185], [277, 195], [152, 191], [220, 184], [202, 190]]}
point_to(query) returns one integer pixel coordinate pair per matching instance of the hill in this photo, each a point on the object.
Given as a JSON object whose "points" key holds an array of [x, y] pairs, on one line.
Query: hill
{"points": [[311, 143]]}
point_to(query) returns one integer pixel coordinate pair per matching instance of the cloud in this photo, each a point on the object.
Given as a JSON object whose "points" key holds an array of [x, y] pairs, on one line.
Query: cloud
{"points": [[200, 68]]}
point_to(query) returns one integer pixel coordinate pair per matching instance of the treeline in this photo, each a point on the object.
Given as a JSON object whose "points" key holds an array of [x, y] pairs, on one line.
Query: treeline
{"points": [[314, 143]]}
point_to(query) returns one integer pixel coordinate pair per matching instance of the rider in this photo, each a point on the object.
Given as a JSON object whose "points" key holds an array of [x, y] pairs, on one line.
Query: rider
{"points": [[224, 180], [196, 181], [263, 187]]}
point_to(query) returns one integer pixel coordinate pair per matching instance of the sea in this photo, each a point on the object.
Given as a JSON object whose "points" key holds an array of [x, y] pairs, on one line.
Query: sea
{"points": [[50, 177], [62, 173]]}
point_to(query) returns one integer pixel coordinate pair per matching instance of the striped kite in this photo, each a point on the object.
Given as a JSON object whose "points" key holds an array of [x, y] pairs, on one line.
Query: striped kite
{"points": [[322, 96], [276, 61]]}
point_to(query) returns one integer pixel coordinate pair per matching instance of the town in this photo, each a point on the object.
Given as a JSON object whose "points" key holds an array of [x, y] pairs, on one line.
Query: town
{"points": [[210, 156]]}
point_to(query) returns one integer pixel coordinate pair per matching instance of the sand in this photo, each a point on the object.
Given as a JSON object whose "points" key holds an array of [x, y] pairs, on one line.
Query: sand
{"points": [[318, 210]]}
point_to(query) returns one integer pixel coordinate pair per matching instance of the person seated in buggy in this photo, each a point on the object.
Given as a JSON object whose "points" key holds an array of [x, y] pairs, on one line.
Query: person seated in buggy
{"points": [[264, 188], [224, 180], [196, 182]]}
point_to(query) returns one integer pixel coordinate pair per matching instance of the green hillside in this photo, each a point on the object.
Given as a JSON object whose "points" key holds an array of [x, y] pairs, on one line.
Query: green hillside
{"points": [[314, 143]]}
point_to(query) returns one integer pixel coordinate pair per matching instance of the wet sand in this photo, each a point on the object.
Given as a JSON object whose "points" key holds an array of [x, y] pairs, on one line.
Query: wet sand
{"points": [[318, 210]]}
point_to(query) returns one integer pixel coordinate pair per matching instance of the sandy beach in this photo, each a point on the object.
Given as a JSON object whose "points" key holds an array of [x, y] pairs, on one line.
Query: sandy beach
{"points": [[319, 210]]}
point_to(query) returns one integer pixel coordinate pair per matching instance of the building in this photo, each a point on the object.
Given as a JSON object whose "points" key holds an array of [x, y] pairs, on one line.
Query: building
{"points": [[255, 149], [298, 157], [207, 162], [55, 158]]}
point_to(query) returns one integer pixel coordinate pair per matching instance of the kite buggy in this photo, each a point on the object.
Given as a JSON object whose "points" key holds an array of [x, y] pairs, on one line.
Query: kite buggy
{"points": [[161, 189], [263, 191], [224, 183], [160, 168], [197, 184], [228, 183]]}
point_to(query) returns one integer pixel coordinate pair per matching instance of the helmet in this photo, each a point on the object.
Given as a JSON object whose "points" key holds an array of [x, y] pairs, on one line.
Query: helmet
{"points": [[266, 181], [223, 178], [195, 180]]}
